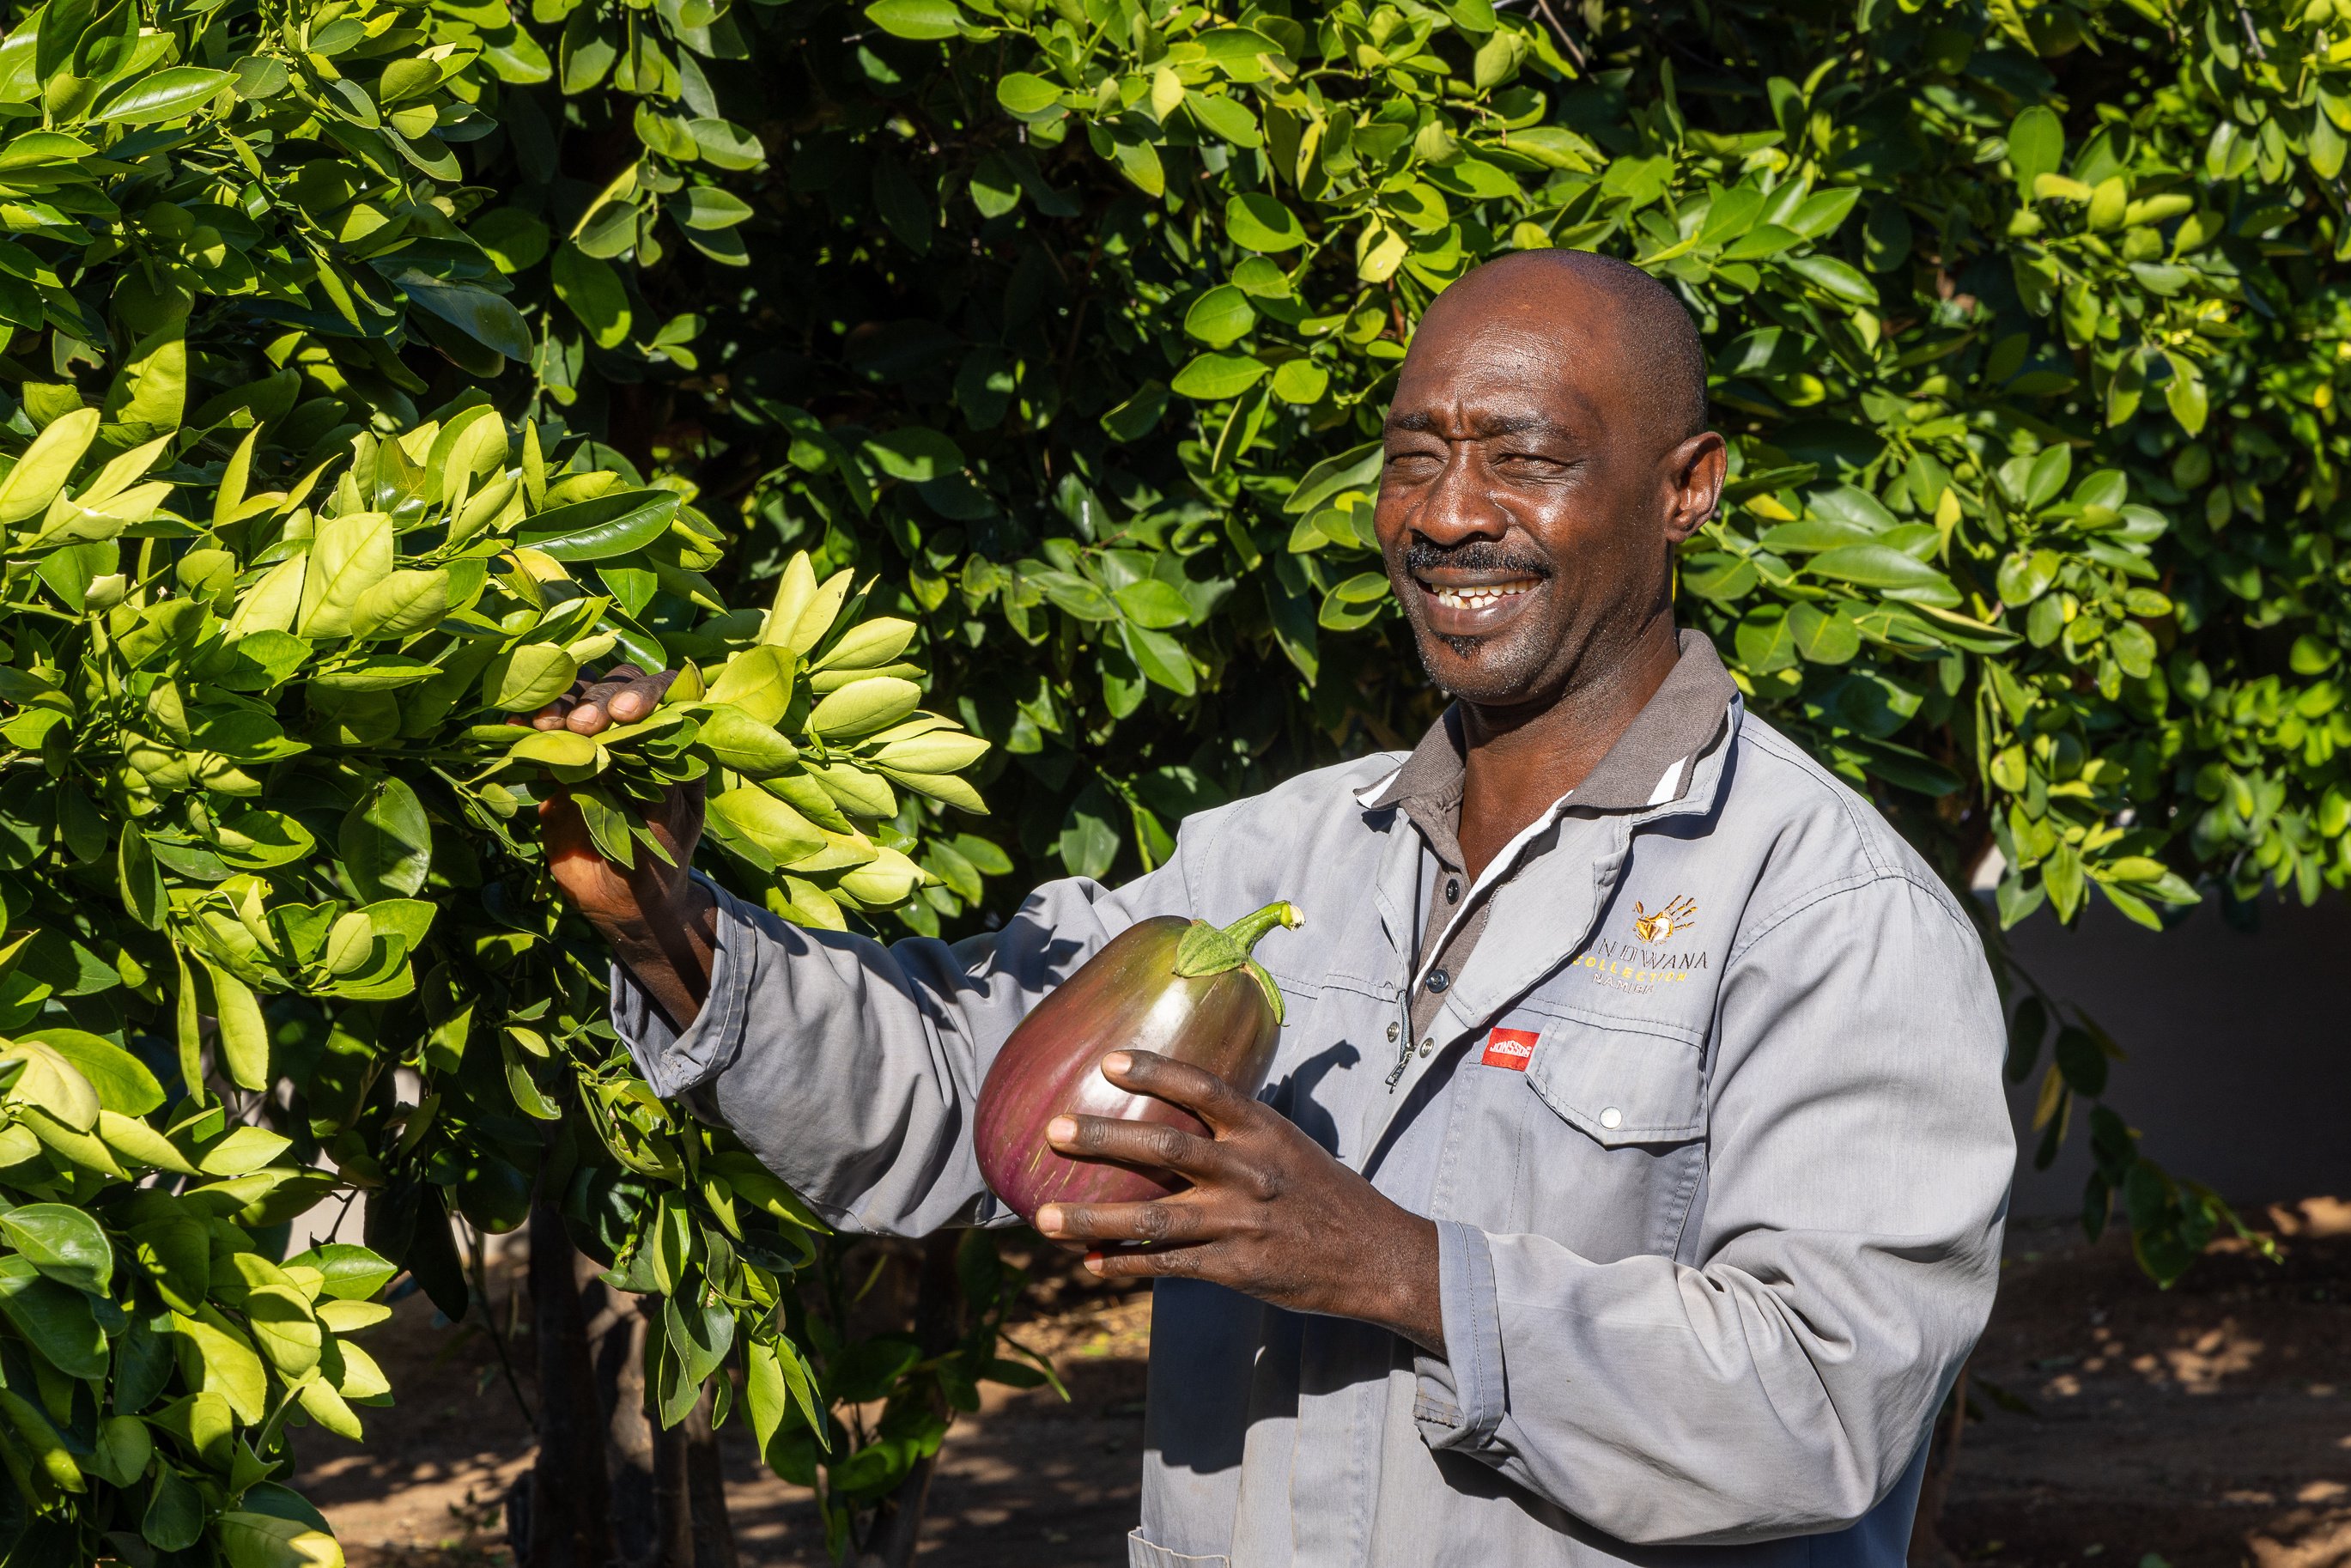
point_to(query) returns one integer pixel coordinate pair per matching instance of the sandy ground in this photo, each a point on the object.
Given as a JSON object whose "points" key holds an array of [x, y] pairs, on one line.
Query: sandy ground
{"points": [[2209, 1425]]}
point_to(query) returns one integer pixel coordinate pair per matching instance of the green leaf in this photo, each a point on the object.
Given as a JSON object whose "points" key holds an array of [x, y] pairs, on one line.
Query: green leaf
{"points": [[1154, 605], [1357, 468], [738, 740], [168, 94], [489, 318], [1138, 416], [863, 706], [708, 207], [1834, 277], [2184, 394], [120, 1080], [1824, 213], [779, 832], [386, 841], [403, 604], [174, 1519], [592, 291], [141, 884], [46, 465], [1883, 566], [244, 1033], [64, 1243], [919, 19], [1823, 638], [599, 529], [2036, 144], [1766, 640], [1088, 844], [56, 1320], [350, 555], [1300, 381], [529, 678], [1221, 316], [513, 239], [1161, 658], [352, 1273], [1025, 94], [915, 453], [1212, 378], [725, 144], [262, 1540], [1258, 222]]}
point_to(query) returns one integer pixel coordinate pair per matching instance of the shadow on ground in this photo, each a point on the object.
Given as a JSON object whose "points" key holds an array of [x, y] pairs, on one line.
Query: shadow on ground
{"points": [[2209, 1425]]}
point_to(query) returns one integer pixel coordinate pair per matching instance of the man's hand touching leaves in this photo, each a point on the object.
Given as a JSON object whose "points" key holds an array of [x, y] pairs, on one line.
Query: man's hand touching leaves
{"points": [[657, 922]]}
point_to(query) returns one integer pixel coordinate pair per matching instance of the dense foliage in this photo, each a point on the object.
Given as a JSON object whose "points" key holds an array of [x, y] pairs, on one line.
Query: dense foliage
{"points": [[373, 366]]}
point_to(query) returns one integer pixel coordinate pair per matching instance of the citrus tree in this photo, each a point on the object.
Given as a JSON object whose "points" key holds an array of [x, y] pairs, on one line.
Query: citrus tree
{"points": [[373, 368]]}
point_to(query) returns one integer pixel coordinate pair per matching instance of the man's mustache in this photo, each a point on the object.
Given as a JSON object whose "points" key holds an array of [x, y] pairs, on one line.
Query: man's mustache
{"points": [[1488, 556]]}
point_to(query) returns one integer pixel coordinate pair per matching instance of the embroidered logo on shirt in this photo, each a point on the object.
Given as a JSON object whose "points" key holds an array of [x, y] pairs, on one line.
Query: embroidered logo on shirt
{"points": [[1679, 915], [1509, 1047], [1643, 965]]}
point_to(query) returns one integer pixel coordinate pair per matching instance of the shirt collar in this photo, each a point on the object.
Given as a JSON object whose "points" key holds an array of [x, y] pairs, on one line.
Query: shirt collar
{"points": [[1651, 763]]}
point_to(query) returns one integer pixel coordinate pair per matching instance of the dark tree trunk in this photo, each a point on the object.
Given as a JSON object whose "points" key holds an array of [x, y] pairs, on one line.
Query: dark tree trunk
{"points": [[939, 1324], [618, 1333], [706, 1486], [570, 1508], [1927, 1548], [673, 1501]]}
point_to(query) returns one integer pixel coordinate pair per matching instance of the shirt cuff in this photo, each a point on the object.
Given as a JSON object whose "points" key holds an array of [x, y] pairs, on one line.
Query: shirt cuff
{"points": [[1459, 1399], [673, 1061]]}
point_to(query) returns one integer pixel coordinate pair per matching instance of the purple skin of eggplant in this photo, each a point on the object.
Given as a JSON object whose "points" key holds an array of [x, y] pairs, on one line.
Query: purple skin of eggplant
{"points": [[1128, 996]]}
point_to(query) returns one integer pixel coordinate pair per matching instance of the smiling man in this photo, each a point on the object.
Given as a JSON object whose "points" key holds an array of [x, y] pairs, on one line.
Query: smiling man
{"points": [[1631, 1173]]}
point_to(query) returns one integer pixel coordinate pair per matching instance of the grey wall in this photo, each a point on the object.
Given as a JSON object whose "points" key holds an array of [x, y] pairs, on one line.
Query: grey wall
{"points": [[2239, 1042]]}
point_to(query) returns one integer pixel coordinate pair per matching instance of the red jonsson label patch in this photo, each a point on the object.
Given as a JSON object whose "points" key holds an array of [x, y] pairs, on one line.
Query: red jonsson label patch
{"points": [[1509, 1047]]}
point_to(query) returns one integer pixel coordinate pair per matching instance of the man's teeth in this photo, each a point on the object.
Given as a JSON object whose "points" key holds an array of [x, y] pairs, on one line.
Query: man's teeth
{"points": [[1479, 598]]}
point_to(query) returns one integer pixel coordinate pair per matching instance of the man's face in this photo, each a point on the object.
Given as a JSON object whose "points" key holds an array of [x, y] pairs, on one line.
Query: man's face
{"points": [[1529, 501]]}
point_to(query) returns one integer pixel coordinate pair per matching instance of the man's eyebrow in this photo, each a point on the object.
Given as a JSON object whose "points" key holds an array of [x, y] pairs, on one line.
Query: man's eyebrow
{"points": [[1423, 422]]}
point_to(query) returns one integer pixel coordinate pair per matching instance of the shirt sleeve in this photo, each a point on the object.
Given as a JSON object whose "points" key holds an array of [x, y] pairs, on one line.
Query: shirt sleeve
{"points": [[1779, 1377], [851, 1068]]}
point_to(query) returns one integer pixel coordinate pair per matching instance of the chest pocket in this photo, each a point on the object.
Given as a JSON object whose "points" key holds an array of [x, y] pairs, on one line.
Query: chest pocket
{"points": [[1605, 1130], [1619, 1086]]}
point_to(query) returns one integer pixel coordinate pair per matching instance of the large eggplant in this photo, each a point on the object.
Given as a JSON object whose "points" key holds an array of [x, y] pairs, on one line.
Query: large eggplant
{"points": [[1184, 988]]}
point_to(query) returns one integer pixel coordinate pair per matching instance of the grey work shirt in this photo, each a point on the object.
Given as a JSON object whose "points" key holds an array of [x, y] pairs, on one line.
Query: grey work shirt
{"points": [[1711, 1128]]}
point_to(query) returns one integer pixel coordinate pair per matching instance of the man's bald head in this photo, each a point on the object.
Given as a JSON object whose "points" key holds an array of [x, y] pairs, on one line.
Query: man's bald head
{"points": [[1546, 455], [1653, 333]]}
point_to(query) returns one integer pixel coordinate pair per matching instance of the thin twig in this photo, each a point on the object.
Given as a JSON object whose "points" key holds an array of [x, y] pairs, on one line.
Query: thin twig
{"points": [[498, 1338], [1560, 27]]}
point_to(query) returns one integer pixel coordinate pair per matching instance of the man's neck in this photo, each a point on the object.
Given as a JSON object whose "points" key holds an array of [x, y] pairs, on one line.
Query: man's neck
{"points": [[1518, 762]]}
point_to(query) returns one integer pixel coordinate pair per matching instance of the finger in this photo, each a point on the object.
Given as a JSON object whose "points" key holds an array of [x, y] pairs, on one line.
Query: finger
{"points": [[1147, 1262], [592, 713], [639, 697], [1196, 1089], [1166, 1223], [551, 716], [1154, 1144]]}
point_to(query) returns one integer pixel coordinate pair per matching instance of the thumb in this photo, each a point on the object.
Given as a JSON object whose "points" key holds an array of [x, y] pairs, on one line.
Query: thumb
{"points": [[563, 831]]}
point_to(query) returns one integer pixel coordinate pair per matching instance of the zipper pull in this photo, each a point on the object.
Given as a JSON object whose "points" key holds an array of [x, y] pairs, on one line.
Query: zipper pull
{"points": [[1403, 1057]]}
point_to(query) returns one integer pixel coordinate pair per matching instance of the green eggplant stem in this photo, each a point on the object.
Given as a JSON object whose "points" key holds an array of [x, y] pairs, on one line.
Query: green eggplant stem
{"points": [[1206, 951], [1245, 930]]}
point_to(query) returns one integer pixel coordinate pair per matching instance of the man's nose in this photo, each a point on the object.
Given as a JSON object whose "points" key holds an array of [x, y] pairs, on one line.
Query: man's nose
{"points": [[1459, 504]]}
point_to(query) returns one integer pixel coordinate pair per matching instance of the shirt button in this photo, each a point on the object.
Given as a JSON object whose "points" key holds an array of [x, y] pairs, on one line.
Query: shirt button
{"points": [[1440, 980], [1452, 890], [1428, 1045], [1611, 1117], [1394, 1030]]}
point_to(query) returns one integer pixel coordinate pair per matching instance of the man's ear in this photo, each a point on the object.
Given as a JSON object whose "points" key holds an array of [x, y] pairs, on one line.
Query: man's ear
{"points": [[1694, 476]]}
